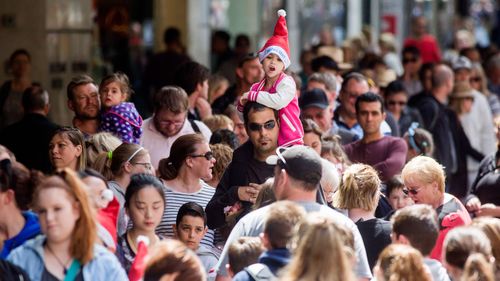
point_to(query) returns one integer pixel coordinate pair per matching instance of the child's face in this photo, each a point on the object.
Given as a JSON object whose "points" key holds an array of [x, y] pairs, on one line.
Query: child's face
{"points": [[190, 231], [399, 199], [146, 209], [273, 66], [112, 95]]}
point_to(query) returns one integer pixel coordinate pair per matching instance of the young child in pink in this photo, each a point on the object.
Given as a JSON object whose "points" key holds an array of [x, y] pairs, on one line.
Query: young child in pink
{"points": [[277, 90]]}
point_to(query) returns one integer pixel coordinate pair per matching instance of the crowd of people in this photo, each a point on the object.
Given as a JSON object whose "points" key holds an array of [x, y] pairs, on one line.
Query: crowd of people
{"points": [[386, 169]]}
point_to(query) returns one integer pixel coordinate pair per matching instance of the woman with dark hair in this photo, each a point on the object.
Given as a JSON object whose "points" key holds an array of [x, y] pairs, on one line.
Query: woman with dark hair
{"points": [[145, 204], [184, 174], [68, 248], [17, 224], [312, 135], [11, 91], [67, 149]]}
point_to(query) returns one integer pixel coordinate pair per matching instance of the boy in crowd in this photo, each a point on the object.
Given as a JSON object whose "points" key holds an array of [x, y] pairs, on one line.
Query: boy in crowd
{"points": [[412, 223], [278, 230], [190, 227], [242, 253]]}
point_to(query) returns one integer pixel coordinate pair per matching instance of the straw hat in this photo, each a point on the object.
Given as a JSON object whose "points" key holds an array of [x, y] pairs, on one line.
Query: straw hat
{"points": [[462, 90]]}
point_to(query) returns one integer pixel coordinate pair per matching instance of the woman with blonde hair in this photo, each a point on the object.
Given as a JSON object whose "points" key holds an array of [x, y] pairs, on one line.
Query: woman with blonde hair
{"points": [[467, 255], [401, 262], [479, 82], [359, 194], [321, 251], [99, 143], [491, 227], [68, 248]]}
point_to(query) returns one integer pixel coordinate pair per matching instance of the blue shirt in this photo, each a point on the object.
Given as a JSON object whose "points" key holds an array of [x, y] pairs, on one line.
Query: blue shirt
{"points": [[30, 230]]}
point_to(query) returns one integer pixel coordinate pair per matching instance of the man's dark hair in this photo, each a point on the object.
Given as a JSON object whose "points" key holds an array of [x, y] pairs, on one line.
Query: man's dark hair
{"points": [[416, 222], [394, 87], [17, 53], [411, 50], [255, 106], [242, 40], [222, 35], [358, 77], [324, 61], [248, 57], [77, 81], [370, 97], [34, 98], [191, 209], [171, 35], [423, 69], [189, 75], [225, 136]]}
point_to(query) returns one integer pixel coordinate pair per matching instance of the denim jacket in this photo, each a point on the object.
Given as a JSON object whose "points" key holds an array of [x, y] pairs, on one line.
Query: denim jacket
{"points": [[104, 266]]}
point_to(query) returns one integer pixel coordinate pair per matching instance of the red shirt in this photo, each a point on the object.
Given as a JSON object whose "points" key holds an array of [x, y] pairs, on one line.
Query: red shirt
{"points": [[429, 49]]}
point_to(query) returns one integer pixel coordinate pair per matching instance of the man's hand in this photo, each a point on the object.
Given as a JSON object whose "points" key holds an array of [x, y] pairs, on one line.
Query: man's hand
{"points": [[203, 107], [473, 205], [244, 98], [249, 193], [488, 210]]}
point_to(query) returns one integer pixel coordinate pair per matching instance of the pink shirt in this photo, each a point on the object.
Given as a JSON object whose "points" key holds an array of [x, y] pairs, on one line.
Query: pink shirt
{"points": [[281, 96]]}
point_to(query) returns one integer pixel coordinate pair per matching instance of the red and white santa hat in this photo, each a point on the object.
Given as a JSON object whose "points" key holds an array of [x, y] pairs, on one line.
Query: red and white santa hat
{"points": [[278, 43]]}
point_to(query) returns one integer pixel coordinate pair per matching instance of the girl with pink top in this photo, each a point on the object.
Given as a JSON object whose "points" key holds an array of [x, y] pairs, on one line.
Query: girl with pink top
{"points": [[277, 90]]}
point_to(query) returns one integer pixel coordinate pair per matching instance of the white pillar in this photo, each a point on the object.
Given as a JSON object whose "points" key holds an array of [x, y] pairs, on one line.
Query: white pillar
{"points": [[354, 18], [292, 16], [198, 41]]}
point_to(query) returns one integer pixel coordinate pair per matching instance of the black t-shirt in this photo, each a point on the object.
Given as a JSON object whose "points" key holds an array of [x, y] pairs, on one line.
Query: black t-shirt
{"points": [[376, 234]]}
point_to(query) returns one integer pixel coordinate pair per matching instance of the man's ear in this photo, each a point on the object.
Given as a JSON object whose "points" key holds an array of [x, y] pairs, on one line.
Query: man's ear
{"points": [[239, 72], [229, 271], [70, 105], [205, 230], [264, 238]]}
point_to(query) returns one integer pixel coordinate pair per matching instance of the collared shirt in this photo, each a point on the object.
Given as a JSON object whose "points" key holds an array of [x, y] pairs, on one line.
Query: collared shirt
{"points": [[159, 146]]}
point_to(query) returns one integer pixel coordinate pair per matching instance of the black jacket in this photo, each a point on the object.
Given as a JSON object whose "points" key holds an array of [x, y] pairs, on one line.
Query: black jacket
{"points": [[243, 169], [29, 140]]}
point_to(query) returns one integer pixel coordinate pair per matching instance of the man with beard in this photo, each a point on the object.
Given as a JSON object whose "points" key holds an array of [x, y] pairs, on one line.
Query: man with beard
{"points": [[239, 185], [83, 99]]}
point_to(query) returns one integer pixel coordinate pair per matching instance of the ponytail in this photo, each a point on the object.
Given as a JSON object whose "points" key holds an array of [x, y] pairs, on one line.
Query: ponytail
{"points": [[477, 267], [102, 164], [166, 169], [169, 168]]}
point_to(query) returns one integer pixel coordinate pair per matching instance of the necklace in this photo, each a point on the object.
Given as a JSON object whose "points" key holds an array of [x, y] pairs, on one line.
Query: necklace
{"points": [[63, 265]]}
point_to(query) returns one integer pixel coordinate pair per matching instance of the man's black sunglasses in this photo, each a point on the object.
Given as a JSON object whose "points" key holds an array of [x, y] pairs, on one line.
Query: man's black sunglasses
{"points": [[209, 155], [269, 125]]}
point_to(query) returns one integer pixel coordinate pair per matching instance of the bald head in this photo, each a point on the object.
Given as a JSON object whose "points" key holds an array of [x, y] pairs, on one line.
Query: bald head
{"points": [[442, 75], [35, 99]]}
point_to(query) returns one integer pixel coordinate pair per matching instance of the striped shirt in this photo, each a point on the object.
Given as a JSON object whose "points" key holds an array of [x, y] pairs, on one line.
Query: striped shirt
{"points": [[174, 200]]}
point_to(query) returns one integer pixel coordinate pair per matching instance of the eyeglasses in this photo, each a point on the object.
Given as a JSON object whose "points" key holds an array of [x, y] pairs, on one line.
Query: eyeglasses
{"points": [[269, 125], [413, 191], [476, 79], [148, 166], [407, 60], [400, 103], [209, 155]]}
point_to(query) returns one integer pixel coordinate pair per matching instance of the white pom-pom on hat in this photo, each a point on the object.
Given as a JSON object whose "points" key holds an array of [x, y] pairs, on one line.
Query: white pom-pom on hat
{"points": [[142, 238], [282, 13], [107, 195]]}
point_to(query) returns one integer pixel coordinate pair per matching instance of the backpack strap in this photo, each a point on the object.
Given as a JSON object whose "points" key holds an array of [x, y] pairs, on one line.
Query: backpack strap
{"points": [[259, 271], [194, 125]]}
